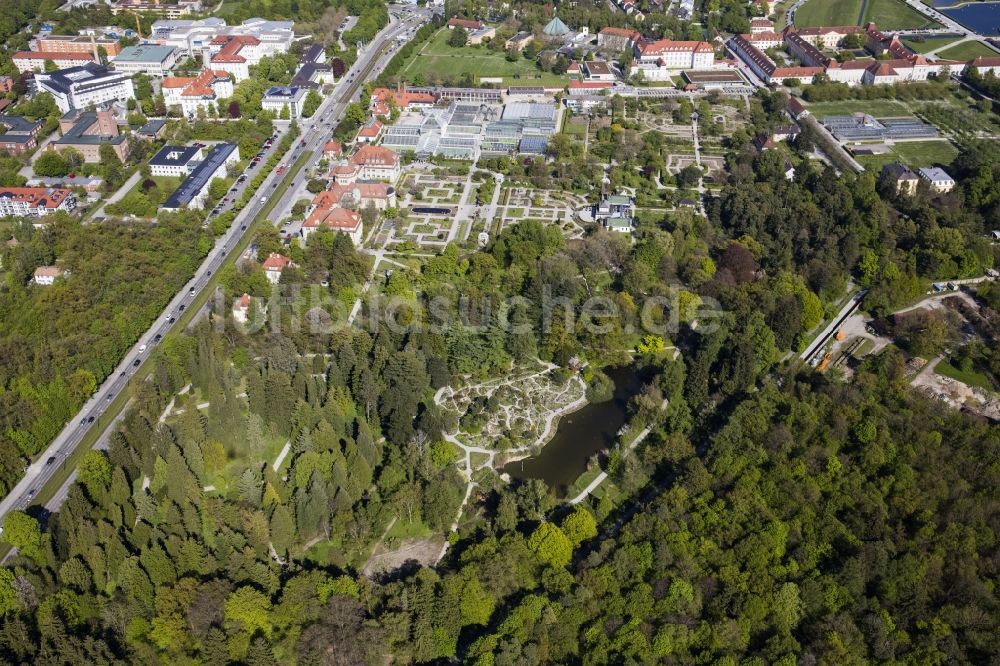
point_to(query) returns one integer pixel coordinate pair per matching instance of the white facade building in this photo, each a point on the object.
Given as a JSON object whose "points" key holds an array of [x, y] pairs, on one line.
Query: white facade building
{"points": [[84, 86]]}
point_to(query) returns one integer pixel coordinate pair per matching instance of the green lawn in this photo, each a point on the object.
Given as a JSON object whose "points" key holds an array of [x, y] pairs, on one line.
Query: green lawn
{"points": [[967, 51], [929, 44], [926, 153], [888, 14], [880, 108], [895, 15], [914, 154], [972, 377], [828, 12], [436, 60]]}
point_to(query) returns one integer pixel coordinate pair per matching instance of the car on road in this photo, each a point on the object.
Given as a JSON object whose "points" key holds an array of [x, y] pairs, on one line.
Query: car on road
{"points": [[136, 363], [31, 493], [157, 338], [142, 348], [90, 419], [209, 274], [263, 199], [243, 228], [191, 290], [182, 307], [51, 460], [172, 320], [120, 374], [112, 395]]}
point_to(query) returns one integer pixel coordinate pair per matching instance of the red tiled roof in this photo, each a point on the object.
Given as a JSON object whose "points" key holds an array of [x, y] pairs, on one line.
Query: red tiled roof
{"points": [[590, 85], [371, 130], [465, 23], [276, 262], [621, 32], [333, 147], [369, 155], [232, 44], [201, 86], [662, 46], [36, 197]]}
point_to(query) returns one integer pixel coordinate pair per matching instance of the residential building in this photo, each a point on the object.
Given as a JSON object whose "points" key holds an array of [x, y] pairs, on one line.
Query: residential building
{"points": [[333, 150], [341, 220], [903, 179], [984, 64], [617, 39], [826, 38], [192, 93], [358, 196], [598, 70], [274, 266], [279, 98], [19, 135], [242, 308], [78, 44], [766, 40], [371, 131], [47, 275], [370, 163], [34, 61], [193, 192], [86, 131], [34, 201], [175, 160], [761, 24], [87, 85], [151, 59], [938, 179], [673, 54]]}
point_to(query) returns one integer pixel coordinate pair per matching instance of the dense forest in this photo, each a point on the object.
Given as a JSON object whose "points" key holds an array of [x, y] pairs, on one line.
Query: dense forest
{"points": [[58, 342], [810, 521]]}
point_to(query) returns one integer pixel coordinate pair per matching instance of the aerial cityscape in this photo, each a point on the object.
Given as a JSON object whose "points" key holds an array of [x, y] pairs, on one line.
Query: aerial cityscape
{"points": [[499, 333]]}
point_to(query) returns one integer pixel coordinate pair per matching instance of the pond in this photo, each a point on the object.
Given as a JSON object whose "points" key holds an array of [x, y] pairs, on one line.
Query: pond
{"points": [[580, 435], [982, 17]]}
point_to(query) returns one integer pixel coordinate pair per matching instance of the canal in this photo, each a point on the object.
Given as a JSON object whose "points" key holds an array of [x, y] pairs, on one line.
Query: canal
{"points": [[581, 434]]}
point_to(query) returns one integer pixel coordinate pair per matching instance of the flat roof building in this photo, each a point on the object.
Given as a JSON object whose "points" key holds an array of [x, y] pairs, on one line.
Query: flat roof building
{"points": [[278, 98], [193, 192], [151, 59]]}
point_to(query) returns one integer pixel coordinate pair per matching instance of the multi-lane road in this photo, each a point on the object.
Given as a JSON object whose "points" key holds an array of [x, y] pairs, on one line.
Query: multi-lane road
{"points": [[316, 131]]}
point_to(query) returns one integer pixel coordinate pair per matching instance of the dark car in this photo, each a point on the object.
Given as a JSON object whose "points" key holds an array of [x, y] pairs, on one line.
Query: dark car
{"points": [[243, 228], [182, 307], [210, 274], [136, 363], [90, 419], [157, 338], [172, 320], [51, 460]]}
